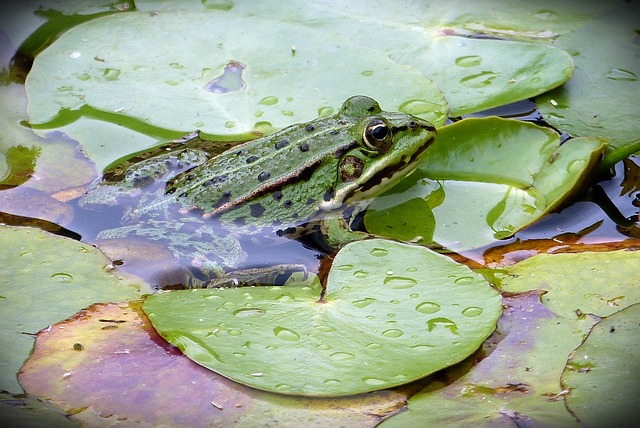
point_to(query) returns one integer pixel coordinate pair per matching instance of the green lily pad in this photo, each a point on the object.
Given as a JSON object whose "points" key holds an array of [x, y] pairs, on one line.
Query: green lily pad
{"points": [[473, 74], [46, 278], [602, 374], [392, 313], [517, 384], [211, 73], [601, 99], [485, 180], [591, 283]]}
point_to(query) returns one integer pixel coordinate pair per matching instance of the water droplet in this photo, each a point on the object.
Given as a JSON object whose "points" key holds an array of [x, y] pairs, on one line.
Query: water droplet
{"points": [[323, 347], [268, 101], [379, 252], [360, 274], [478, 80], [346, 288], [620, 74], [399, 282], [24, 253], [325, 111], [342, 267], [417, 107], [283, 387], [239, 354], [342, 356], [110, 74], [391, 315], [472, 311], [393, 333], [62, 277], [374, 345], [270, 348], [367, 73], [284, 298], [412, 269], [373, 381], [468, 61], [414, 295], [325, 328], [247, 296], [465, 280], [233, 332], [545, 15], [286, 334], [422, 347], [428, 308], [248, 312], [83, 77], [363, 303], [230, 124], [444, 322], [331, 382], [400, 377]]}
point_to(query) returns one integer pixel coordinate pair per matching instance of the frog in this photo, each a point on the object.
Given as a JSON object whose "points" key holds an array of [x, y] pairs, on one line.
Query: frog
{"points": [[311, 178]]}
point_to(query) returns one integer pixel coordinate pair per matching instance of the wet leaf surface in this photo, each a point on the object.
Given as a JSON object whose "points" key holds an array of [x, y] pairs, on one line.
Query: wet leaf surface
{"points": [[392, 313], [602, 374], [584, 283], [107, 365], [45, 278], [517, 384], [601, 98]]}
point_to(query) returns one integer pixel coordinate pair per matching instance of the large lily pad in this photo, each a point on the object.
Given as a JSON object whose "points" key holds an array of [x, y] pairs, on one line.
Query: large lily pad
{"points": [[211, 74], [601, 99], [602, 374], [392, 313], [46, 278], [89, 362], [486, 179], [518, 384], [588, 283], [473, 74]]}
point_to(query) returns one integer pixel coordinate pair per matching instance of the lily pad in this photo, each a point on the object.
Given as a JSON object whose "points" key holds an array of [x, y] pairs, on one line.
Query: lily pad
{"points": [[602, 374], [601, 99], [517, 384], [392, 313], [589, 283], [46, 278], [473, 74], [89, 362], [212, 74], [486, 179]]}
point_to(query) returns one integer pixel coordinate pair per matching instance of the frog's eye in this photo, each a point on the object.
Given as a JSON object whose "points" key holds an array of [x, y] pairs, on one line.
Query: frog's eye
{"points": [[377, 136]]}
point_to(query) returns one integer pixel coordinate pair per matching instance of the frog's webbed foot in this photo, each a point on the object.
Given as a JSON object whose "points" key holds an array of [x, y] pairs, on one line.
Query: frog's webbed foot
{"points": [[270, 275]]}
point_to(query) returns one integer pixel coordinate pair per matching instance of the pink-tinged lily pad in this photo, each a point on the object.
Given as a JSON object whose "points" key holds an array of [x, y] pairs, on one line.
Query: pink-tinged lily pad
{"points": [[518, 384], [107, 365]]}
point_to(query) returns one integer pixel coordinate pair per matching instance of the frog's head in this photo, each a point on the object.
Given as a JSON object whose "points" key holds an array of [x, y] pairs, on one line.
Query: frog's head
{"points": [[386, 148]]}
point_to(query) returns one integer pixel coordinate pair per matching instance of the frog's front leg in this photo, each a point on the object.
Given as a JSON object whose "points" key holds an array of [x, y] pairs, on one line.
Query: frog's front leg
{"points": [[337, 233]]}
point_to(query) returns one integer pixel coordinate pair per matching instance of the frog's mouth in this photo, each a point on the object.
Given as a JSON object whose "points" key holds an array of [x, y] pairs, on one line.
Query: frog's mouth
{"points": [[382, 179]]}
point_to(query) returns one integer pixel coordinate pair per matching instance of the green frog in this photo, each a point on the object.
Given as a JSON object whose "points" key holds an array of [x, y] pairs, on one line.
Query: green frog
{"points": [[309, 178]]}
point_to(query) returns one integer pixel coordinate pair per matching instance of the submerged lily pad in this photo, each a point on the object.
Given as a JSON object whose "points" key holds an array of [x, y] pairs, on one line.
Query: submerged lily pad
{"points": [[602, 374], [392, 313], [46, 278], [486, 179], [588, 283]]}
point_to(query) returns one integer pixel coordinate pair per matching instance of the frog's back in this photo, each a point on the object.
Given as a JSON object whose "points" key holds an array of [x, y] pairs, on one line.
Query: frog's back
{"points": [[263, 166]]}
